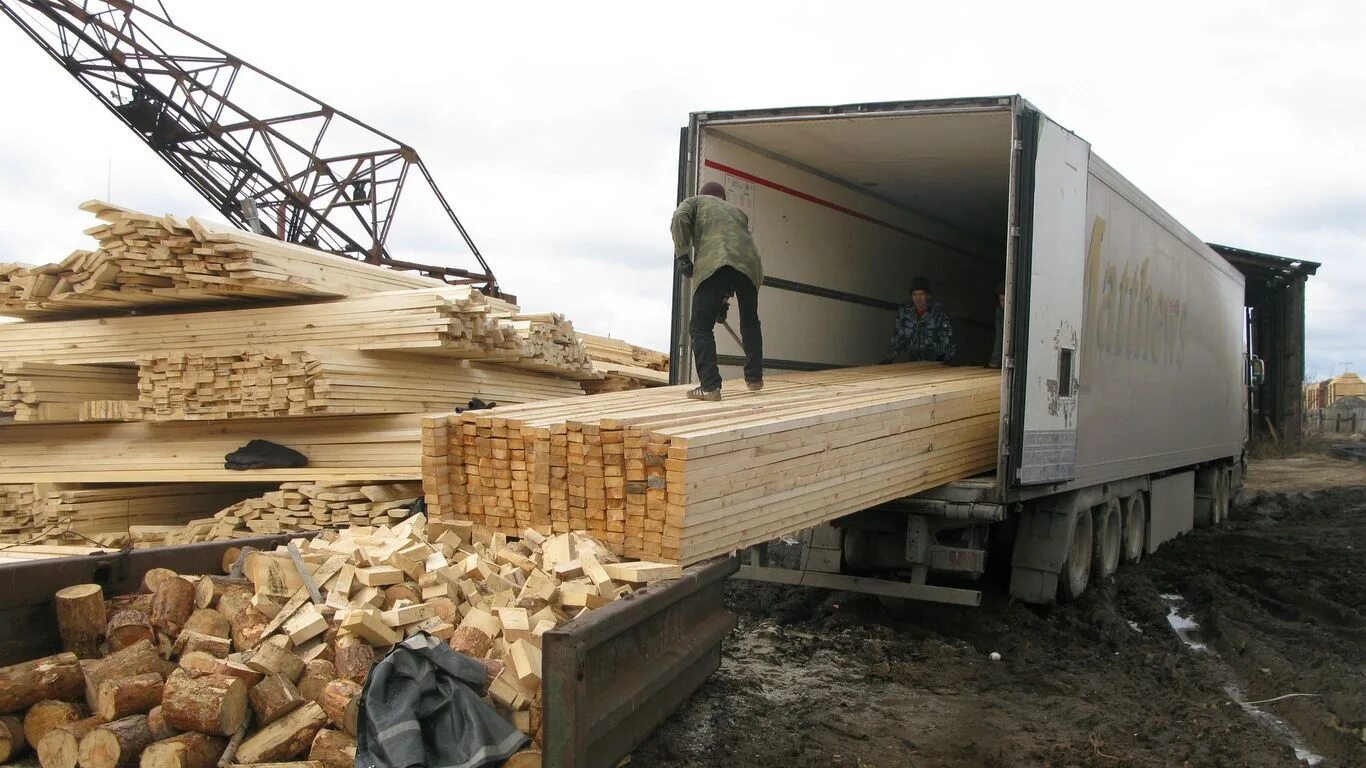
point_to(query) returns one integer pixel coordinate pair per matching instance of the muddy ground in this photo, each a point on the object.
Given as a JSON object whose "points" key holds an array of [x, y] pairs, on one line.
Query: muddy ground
{"points": [[816, 679]]}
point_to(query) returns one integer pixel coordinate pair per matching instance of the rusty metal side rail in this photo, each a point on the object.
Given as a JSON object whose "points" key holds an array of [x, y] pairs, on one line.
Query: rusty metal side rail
{"points": [[28, 625], [612, 676]]}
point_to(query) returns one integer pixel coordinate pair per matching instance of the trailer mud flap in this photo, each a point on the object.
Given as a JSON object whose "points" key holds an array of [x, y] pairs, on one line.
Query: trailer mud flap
{"points": [[612, 676]]}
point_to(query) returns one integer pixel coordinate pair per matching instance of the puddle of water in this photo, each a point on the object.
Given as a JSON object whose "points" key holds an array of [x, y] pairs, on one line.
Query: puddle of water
{"points": [[1188, 630]]}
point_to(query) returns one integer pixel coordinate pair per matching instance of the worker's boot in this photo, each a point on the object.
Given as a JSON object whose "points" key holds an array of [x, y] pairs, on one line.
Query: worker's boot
{"points": [[755, 386], [709, 395]]}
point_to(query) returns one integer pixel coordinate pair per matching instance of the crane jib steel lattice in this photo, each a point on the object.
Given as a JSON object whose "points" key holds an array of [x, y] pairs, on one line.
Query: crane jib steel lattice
{"points": [[303, 171]]}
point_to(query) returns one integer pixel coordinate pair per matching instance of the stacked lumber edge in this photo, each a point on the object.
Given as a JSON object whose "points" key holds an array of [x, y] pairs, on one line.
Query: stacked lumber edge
{"points": [[659, 477], [202, 671], [188, 339]]}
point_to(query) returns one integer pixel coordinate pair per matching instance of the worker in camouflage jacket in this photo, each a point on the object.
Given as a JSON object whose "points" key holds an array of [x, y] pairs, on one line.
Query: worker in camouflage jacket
{"points": [[713, 246], [923, 330]]}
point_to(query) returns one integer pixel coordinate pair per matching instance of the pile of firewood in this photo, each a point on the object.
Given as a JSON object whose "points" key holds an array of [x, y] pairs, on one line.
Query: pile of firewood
{"points": [[198, 672]]}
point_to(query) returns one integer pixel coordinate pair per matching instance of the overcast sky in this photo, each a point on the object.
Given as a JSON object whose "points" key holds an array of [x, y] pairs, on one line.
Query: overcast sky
{"points": [[553, 128]]}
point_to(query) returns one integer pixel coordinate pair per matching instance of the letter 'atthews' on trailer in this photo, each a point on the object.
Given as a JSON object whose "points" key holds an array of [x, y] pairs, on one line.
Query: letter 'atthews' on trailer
{"points": [[1124, 387]]}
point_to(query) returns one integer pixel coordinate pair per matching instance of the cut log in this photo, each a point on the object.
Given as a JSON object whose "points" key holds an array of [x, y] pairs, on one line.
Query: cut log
{"points": [[156, 723], [470, 641], [341, 703], [172, 606], [115, 744], [215, 704], [317, 674], [128, 627], [287, 737], [189, 642], [27, 683], [354, 658], [138, 658], [60, 747], [400, 592], [248, 624], [208, 621], [187, 750], [211, 589], [333, 749], [119, 697], [273, 698], [272, 659], [527, 758], [81, 619], [12, 740], [154, 577], [46, 715]]}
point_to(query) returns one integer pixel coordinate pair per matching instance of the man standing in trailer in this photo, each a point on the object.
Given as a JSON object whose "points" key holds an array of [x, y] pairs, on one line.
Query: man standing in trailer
{"points": [[923, 330]]}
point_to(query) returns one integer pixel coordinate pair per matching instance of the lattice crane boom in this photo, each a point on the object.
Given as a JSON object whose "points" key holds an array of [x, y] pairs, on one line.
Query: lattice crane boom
{"points": [[266, 155]]}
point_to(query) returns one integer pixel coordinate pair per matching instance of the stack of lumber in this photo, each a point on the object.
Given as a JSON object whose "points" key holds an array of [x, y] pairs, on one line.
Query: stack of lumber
{"points": [[661, 477], [623, 366], [47, 392], [16, 511], [206, 671], [230, 384], [300, 507], [339, 449], [152, 261], [108, 513]]}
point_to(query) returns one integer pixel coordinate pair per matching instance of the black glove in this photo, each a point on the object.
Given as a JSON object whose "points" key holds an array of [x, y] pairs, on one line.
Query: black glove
{"points": [[725, 310], [684, 265]]}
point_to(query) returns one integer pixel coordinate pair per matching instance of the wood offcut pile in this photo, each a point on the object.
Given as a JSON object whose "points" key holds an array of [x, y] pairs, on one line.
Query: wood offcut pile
{"points": [[298, 507], [111, 514], [659, 477], [150, 261], [199, 672]]}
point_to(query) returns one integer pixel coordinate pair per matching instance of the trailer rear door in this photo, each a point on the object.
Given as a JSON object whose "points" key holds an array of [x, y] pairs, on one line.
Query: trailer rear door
{"points": [[1049, 277]]}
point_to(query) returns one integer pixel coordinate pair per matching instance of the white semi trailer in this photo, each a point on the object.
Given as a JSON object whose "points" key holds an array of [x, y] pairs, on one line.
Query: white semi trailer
{"points": [[1124, 376]]}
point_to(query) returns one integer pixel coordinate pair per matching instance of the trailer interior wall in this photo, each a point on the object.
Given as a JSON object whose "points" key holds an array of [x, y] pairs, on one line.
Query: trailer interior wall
{"points": [[846, 211], [1161, 370]]}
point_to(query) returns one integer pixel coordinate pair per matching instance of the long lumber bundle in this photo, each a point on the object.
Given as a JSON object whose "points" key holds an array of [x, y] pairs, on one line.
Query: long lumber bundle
{"points": [[339, 448], [233, 384], [46, 392], [106, 513], [657, 476], [156, 261], [623, 366], [453, 322]]}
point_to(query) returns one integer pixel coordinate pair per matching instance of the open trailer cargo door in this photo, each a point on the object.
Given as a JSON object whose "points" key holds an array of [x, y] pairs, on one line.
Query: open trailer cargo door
{"points": [[1050, 271]]}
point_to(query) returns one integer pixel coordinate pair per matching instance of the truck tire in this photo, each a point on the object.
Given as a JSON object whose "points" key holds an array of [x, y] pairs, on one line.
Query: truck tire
{"points": [[1135, 513], [1076, 566], [1108, 538]]}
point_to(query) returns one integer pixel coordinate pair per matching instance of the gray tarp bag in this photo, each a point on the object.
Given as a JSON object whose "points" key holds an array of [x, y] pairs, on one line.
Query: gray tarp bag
{"points": [[421, 707]]}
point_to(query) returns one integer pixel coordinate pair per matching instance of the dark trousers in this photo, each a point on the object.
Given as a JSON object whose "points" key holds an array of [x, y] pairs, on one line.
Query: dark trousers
{"points": [[707, 301]]}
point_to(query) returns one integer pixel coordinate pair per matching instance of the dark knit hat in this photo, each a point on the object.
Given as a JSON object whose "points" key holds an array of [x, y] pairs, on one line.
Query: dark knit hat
{"points": [[920, 283]]}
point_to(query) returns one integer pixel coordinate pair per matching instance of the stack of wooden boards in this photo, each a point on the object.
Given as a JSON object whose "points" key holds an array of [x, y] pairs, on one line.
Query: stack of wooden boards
{"points": [[17, 507], [660, 477], [109, 514], [230, 384], [297, 507], [150, 261], [623, 366], [48, 392], [198, 672]]}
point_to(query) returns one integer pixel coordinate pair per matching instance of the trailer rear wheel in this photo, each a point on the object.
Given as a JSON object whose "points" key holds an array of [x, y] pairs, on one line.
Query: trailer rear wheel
{"points": [[1108, 538], [1076, 567], [1135, 512]]}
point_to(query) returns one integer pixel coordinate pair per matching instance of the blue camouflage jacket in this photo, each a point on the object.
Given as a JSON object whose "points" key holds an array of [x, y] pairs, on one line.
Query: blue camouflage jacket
{"points": [[924, 337]]}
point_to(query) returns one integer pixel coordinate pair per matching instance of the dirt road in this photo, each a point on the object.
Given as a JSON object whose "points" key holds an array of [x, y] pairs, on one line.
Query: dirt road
{"points": [[816, 679]]}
